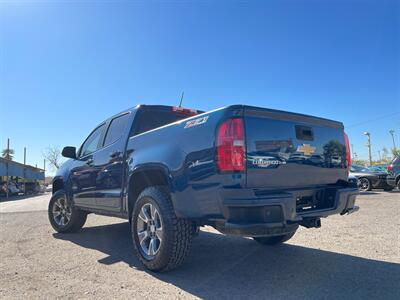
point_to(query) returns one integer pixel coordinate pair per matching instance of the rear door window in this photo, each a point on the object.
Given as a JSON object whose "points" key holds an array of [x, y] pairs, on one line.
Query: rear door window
{"points": [[116, 129]]}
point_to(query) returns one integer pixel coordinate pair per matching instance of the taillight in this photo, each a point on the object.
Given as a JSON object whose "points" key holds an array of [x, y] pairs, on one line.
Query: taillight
{"points": [[231, 149], [390, 168], [185, 111], [348, 154]]}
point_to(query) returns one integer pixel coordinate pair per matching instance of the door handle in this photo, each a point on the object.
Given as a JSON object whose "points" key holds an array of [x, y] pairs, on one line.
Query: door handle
{"points": [[115, 154], [89, 161]]}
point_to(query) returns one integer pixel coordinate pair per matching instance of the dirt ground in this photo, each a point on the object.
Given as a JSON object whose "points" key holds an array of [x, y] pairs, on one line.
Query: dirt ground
{"points": [[351, 257]]}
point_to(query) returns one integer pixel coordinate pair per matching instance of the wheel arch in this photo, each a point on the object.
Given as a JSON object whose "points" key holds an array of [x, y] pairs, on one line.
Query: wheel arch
{"points": [[58, 184], [143, 177]]}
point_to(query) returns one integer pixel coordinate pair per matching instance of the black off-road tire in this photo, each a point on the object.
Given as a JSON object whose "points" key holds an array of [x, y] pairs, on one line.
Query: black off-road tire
{"points": [[77, 219], [177, 233], [274, 240]]}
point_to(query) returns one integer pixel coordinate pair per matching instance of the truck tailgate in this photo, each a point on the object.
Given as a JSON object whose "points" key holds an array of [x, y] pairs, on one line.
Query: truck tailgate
{"points": [[287, 150]]}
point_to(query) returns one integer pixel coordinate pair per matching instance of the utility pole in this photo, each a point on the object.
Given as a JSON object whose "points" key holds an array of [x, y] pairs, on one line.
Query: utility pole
{"points": [[379, 153], [44, 171], [352, 151], [8, 153], [369, 147], [392, 134], [24, 170]]}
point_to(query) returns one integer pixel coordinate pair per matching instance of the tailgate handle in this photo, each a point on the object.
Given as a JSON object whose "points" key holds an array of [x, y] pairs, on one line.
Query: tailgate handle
{"points": [[304, 133]]}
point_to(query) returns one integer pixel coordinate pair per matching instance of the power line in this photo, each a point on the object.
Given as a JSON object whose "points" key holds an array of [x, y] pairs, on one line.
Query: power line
{"points": [[375, 119]]}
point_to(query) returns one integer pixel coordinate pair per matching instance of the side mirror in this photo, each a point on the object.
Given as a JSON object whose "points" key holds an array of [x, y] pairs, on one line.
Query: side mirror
{"points": [[69, 152]]}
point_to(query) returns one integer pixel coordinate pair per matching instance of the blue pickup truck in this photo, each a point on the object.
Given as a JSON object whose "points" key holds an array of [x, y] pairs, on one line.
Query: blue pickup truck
{"points": [[244, 170]]}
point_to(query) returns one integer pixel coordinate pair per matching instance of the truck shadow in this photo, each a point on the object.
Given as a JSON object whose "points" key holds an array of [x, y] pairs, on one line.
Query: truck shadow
{"points": [[233, 267]]}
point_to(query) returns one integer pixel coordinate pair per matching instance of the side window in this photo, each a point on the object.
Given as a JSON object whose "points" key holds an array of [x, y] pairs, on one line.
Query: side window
{"points": [[92, 143], [116, 129]]}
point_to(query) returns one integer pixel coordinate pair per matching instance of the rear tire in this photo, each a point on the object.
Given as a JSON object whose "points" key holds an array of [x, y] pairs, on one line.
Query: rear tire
{"points": [[63, 216], [161, 240], [274, 240]]}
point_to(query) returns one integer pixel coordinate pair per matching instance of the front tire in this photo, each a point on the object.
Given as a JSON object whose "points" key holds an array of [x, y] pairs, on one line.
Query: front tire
{"points": [[274, 240], [364, 184], [161, 240], [63, 217]]}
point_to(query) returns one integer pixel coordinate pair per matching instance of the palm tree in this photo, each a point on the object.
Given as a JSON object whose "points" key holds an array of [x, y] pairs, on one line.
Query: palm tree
{"points": [[396, 152], [8, 154]]}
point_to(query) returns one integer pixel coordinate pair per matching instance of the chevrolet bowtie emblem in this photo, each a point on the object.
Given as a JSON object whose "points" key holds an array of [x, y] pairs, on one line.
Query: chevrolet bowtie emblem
{"points": [[306, 149]]}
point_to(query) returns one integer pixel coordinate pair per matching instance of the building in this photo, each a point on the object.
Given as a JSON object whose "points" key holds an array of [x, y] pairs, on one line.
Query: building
{"points": [[17, 173]]}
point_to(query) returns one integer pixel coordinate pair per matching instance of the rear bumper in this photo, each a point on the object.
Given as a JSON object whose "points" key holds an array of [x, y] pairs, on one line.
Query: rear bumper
{"points": [[258, 229], [276, 214]]}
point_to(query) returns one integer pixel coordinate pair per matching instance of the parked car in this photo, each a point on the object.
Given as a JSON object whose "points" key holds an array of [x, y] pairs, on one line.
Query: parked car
{"points": [[41, 188], [32, 188], [368, 180], [393, 169], [244, 170], [12, 188], [380, 168]]}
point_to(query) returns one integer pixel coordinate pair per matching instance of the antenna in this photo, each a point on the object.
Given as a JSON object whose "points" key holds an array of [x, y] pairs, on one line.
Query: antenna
{"points": [[180, 103]]}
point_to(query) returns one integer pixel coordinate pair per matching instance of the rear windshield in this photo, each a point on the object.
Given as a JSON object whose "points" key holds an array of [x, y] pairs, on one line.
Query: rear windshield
{"points": [[146, 120]]}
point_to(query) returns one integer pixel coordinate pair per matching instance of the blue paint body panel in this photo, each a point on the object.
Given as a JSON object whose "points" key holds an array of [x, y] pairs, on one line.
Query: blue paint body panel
{"points": [[288, 157]]}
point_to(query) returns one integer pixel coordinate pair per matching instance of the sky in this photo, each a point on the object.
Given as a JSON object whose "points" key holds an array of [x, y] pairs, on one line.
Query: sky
{"points": [[67, 65]]}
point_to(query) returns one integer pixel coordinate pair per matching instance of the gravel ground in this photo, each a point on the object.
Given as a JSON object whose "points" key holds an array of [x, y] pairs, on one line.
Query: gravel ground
{"points": [[355, 256]]}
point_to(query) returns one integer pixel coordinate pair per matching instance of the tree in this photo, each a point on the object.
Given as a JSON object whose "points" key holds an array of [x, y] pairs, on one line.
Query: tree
{"points": [[396, 152], [53, 156], [385, 154], [8, 154], [360, 162]]}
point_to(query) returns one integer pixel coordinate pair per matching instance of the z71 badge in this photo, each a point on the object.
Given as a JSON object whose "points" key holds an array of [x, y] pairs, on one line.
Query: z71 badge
{"points": [[196, 122]]}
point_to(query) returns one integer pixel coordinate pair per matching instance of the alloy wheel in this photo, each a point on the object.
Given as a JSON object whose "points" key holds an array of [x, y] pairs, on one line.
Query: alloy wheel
{"points": [[363, 184], [149, 230], [61, 212]]}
